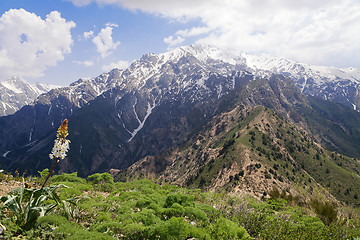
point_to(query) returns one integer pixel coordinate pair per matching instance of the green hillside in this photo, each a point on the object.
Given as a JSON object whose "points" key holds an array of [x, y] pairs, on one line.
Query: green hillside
{"points": [[102, 209]]}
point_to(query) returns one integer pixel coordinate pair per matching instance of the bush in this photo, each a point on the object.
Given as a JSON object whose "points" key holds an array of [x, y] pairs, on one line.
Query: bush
{"points": [[100, 178], [176, 210], [180, 198], [325, 211], [109, 227], [103, 217], [274, 193], [196, 214], [136, 231], [68, 177], [226, 229], [176, 228], [56, 226], [105, 187], [147, 217]]}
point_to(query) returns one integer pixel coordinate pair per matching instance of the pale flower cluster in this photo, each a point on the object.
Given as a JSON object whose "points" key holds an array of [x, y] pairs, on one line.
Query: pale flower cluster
{"points": [[60, 149]]}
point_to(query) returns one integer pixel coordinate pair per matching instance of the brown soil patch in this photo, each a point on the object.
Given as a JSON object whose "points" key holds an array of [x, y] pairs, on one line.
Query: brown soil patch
{"points": [[7, 186]]}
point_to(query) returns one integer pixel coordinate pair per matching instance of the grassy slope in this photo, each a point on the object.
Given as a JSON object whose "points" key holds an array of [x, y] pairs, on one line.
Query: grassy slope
{"points": [[145, 210]]}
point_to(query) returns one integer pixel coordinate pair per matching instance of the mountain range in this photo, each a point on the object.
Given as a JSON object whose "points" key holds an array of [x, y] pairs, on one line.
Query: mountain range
{"points": [[176, 114], [329, 83]]}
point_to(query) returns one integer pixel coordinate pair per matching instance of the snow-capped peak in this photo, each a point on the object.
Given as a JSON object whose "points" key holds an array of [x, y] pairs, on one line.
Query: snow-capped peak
{"points": [[330, 83], [15, 93], [205, 52], [263, 62], [14, 84], [320, 74]]}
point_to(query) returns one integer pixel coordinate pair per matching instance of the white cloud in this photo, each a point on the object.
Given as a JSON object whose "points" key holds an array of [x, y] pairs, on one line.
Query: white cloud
{"points": [[172, 42], [88, 35], [111, 25], [86, 63], [104, 41], [28, 44], [121, 64], [80, 3], [319, 32], [195, 31]]}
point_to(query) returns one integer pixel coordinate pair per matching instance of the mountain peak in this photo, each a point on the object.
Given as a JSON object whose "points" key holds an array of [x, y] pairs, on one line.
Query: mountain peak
{"points": [[206, 52], [14, 84], [329, 83], [16, 92]]}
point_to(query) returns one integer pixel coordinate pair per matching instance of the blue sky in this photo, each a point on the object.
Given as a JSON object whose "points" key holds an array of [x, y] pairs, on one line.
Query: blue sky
{"points": [[59, 41]]}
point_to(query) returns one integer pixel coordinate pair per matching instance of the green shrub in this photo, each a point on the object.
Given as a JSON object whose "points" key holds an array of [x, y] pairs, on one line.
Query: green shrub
{"points": [[68, 177], [52, 219], [176, 228], [103, 217], [143, 203], [196, 214], [325, 211], [104, 187], [210, 211], [146, 216], [226, 229], [155, 207], [180, 198], [136, 231], [44, 173], [56, 227], [69, 192], [108, 227], [101, 178], [176, 210], [59, 227]]}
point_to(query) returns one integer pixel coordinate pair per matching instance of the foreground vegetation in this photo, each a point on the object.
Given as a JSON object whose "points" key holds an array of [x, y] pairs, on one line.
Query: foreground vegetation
{"points": [[99, 208]]}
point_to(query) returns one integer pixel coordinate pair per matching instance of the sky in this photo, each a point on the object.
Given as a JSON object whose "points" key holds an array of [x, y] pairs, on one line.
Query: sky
{"points": [[60, 41]]}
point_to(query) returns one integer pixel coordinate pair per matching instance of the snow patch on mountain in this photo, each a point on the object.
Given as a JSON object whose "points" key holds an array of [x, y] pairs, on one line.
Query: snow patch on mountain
{"points": [[141, 123]]}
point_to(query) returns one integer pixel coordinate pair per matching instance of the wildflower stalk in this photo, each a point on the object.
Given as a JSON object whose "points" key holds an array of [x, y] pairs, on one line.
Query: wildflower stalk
{"points": [[61, 146], [52, 169]]}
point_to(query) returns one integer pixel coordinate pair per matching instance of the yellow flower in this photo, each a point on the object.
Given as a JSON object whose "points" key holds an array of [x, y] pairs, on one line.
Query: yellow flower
{"points": [[62, 132]]}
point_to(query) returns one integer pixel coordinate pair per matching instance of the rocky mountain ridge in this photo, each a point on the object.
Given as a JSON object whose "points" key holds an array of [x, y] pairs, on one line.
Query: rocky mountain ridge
{"points": [[253, 150], [329, 83], [122, 116], [326, 82]]}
